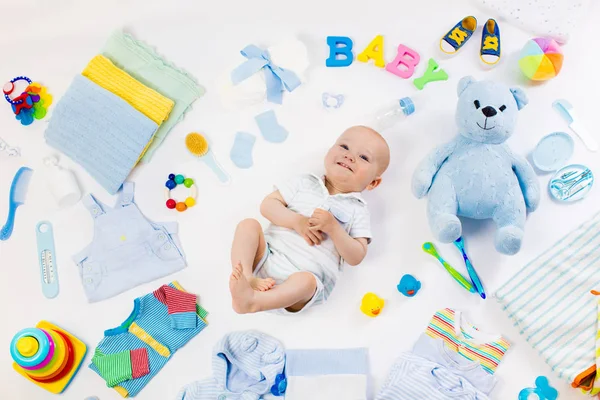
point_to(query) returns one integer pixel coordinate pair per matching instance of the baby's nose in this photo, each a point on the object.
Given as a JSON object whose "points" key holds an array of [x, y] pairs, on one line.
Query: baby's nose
{"points": [[489, 111]]}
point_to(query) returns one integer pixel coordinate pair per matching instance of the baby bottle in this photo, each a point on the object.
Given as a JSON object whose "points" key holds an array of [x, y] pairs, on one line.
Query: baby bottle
{"points": [[61, 183], [392, 113]]}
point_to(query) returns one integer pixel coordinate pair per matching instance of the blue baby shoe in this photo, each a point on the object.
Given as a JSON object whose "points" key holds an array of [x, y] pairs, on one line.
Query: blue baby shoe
{"points": [[490, 43], [459, 35]]}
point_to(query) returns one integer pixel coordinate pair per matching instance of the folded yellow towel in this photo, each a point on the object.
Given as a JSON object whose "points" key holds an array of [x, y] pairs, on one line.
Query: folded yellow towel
{"points": [[147, 101]]}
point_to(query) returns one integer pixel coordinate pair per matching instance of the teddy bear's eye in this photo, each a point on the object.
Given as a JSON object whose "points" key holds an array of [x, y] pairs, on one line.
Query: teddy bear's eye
{"points": [[477, 105], [502, 107]]}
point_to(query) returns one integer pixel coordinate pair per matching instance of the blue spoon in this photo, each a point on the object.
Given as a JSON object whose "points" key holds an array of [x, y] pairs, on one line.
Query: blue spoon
{"points": [[472, 273]]}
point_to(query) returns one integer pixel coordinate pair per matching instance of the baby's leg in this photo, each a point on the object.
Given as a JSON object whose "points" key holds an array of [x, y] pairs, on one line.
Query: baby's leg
{"points": [[293, 294], [248, 248]]}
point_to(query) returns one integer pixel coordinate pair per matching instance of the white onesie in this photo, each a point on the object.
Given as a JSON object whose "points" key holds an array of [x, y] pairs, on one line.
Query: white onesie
{"points": [[289, 253]]}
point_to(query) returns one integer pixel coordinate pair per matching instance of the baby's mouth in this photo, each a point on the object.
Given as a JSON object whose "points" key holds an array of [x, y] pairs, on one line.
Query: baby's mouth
{"points": [[341, 164]]}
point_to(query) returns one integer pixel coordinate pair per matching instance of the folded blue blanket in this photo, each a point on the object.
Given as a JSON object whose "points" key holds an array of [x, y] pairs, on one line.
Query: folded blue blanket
{"points": [[100, 131]]}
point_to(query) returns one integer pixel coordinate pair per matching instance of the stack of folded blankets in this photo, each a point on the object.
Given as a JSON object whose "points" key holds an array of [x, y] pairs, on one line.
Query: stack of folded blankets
{"points": [[120, 109]]}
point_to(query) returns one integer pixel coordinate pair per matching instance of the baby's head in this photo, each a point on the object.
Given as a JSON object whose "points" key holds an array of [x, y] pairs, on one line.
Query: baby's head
{"points": [[357, 160]]}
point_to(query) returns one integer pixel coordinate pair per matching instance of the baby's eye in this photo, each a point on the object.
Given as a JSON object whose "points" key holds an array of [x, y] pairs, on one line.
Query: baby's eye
{"points": [[365, 158], [343, 146], [502, 107], [477, 104]]}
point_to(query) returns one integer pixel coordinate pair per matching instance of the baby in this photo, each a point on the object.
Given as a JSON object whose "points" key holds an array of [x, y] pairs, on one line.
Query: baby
{"points": [[316, 222]]}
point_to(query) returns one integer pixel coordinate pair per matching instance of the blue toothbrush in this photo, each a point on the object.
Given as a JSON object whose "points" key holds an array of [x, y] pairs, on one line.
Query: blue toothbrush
{"points": [[472, 273], [18, 192]]}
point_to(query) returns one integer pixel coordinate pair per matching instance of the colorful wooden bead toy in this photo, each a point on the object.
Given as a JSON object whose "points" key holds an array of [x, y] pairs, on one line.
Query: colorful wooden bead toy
{"points": [[31, 104], [47, 355], [172, 183]]}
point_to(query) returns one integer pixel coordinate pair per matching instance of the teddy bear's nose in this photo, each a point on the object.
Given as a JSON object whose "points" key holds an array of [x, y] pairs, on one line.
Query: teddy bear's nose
{"points": [[489, 111]]}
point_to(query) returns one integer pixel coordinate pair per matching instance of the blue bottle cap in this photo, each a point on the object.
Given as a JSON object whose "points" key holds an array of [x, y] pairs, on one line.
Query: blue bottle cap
{"points": [[408, 107]]}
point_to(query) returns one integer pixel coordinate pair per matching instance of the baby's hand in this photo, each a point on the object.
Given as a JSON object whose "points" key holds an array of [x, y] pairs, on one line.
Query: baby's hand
{"points": [[323, 221], [303, 229]]}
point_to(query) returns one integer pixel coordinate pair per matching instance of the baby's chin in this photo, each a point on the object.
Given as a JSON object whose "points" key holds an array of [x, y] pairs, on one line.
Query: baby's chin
{"points": [[344, 179]]}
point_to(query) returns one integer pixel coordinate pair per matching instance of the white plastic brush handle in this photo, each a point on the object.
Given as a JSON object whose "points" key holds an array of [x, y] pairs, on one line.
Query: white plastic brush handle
{"points": [[210, 160], [585, 135]]}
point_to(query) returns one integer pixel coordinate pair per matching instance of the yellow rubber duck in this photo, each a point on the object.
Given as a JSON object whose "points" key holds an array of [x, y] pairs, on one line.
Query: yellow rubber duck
{"points": [[372, 304]]}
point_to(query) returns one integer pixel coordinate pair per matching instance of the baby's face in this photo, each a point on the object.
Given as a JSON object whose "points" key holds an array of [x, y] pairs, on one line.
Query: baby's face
{"points": [[357, 160]]}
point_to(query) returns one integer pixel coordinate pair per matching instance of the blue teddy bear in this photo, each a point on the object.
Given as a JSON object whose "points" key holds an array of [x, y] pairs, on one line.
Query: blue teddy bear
{"points": [[476, 175]]}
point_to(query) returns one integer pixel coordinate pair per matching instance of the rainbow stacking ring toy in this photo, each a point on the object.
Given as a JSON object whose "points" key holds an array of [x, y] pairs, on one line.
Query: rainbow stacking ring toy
{"points": [[171, 184], [47, 355]]}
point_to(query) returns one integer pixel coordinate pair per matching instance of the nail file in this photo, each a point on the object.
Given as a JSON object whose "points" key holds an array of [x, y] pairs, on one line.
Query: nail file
{"points": [[47, 258], [566, 111]]}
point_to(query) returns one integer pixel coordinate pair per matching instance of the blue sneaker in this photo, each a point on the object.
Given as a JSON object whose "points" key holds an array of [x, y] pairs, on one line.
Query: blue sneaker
{"points": [[490, 43], [458, 36]]}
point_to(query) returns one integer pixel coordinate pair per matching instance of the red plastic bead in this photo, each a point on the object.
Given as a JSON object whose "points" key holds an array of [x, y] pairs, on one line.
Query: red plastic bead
{"points": [[171, 204]]}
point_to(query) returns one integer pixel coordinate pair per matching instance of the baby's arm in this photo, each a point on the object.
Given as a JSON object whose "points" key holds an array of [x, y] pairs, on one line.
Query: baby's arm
{"points": [[352, 250], [274, 208]]}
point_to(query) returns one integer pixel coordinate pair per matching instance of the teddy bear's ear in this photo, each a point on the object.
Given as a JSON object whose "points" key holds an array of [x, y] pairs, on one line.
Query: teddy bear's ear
{"points": [[464, 83], [520, 97]]}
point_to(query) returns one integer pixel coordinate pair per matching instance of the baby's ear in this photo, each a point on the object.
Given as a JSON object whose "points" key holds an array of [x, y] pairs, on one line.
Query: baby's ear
{"points": [[464, 83], [376, 182], [520, 97]]}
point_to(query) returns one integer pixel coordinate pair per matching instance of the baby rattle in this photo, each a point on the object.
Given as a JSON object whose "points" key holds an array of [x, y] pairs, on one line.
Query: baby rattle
{"points": [[171, 184], [30, 104]]}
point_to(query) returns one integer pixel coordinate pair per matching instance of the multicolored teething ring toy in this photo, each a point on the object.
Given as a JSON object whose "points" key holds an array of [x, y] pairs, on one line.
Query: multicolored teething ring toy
{"points": [[47, 356], [31, 104], [9, 87], [171, 184]]}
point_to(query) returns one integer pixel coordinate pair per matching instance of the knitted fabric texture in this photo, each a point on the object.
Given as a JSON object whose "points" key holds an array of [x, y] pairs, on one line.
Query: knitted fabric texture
{"points": [[100, 131], [142, 63], [476, 175], [144, 99]]}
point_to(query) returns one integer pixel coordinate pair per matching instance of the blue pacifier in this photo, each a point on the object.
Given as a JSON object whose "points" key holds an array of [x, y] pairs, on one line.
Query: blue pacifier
{"points": [[280, 385], [332, 100], [543, 390]]}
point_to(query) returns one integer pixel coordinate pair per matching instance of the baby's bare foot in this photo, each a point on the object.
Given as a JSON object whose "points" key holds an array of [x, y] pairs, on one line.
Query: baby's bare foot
{"points": [[242, 294], [260, 284]]}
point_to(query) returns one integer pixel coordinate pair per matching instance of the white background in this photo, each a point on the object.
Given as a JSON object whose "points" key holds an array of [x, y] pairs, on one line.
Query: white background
{"points": [[53, 41]]}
